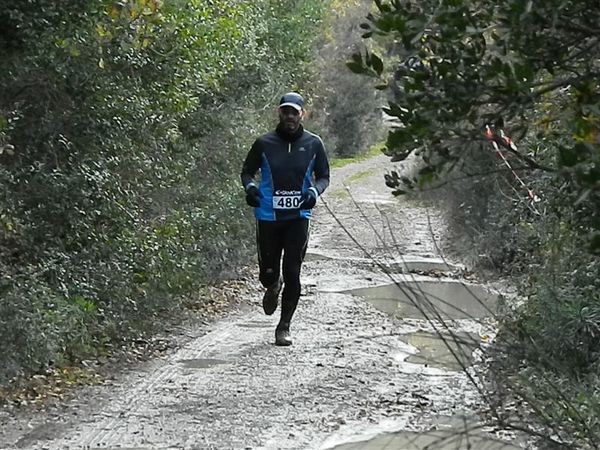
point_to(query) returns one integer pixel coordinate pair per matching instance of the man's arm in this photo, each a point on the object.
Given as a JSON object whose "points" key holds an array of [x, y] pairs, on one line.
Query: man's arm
{"points": [[321, 169], [251, 165]]}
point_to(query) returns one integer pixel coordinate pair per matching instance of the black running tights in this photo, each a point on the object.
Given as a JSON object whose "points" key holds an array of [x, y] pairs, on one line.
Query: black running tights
{"points": [[289, 237]]}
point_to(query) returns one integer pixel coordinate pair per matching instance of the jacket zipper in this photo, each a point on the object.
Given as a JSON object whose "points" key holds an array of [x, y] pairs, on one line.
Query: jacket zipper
{"points": [[289, 147]]}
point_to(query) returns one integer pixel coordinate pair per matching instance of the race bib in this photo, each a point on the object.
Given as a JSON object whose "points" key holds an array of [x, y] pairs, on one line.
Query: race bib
{"points": [[286, 199]]}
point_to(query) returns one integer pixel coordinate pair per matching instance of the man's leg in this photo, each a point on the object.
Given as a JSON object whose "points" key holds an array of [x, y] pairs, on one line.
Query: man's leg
{"points": [[294, 249], [269, 240]]}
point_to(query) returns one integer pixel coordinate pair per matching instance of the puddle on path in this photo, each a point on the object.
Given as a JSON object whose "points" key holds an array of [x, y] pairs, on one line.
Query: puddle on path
{"points": [[256, 324], [432, 299], [205, 363], [432, 440], [434, 351], [457, 433], [312, 256], [407, 265]]}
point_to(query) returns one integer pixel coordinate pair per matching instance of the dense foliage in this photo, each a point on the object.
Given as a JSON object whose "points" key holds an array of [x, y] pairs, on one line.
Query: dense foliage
{"points": [[122, 128], [523, 66], [346, 108], [530, 69]]}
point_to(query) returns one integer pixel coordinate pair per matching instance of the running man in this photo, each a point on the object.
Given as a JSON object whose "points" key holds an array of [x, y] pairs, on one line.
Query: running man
{"points": [[294, 171]]}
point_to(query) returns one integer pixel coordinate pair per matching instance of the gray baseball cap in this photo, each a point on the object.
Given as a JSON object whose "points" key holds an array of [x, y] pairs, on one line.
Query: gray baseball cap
{"points": [[292, 99]]}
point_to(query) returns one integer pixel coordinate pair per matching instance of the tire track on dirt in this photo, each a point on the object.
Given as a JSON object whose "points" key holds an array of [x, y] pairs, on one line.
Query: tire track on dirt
{"points": [[106, 433]]}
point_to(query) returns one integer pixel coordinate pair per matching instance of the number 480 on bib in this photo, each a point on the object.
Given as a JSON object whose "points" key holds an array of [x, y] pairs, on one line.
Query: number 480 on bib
{"points": [[286, 201]]}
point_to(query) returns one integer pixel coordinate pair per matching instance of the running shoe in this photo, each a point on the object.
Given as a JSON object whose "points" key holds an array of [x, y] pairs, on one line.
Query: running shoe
{"points": [[283, 338], [271, 297]]}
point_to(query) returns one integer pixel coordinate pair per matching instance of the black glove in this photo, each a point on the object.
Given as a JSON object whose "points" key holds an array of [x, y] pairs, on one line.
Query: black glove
{"points": [[308, 199], [253, 196]]}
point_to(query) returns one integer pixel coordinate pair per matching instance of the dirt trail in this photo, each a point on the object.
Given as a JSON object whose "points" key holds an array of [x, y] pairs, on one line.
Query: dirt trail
{"points": [[346, 375]]}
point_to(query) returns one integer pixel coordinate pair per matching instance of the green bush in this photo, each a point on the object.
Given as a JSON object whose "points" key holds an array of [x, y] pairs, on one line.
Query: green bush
{"points": [[122, 130], [346, 110]]}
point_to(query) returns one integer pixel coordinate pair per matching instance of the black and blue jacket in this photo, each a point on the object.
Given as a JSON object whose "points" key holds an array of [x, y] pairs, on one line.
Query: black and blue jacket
{"points": [[289, 166]]}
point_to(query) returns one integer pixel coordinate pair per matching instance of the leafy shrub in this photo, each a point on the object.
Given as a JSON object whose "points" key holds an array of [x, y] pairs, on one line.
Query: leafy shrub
{"points": [[122, 130], [346, 110]]}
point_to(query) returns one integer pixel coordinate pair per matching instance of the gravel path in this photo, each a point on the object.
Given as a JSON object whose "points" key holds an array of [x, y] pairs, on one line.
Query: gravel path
{"points": [[345, 375]]}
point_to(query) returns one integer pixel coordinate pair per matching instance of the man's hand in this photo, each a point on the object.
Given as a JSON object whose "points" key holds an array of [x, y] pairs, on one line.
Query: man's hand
{"points": [[253, 196], [309, 199]]}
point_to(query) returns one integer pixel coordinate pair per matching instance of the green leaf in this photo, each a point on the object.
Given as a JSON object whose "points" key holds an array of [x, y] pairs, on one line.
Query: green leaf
{"points": [[356, 67], [398, 138], [377, 64], [583, 197], [567, 156]]}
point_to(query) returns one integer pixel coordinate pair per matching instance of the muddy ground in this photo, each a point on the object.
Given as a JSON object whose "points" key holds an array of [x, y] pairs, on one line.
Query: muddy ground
{"points": [[367, 369]]}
